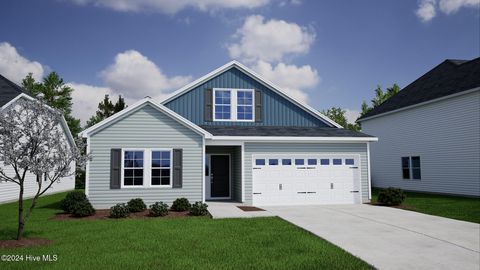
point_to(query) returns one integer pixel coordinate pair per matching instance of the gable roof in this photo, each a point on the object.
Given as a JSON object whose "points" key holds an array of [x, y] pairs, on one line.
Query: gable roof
{"points": [[134, 107], [257, 77], [448, 78]]}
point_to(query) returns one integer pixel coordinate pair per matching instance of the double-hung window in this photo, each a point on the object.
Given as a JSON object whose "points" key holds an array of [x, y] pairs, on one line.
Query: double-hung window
{"points": [[233, 104], [161, 168], [133, 168], [411, 168]]}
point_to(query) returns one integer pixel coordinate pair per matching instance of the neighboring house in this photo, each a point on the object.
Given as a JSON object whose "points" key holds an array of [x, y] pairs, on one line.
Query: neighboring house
{"points": [[9, 94], [230, 135], [429, 133]]}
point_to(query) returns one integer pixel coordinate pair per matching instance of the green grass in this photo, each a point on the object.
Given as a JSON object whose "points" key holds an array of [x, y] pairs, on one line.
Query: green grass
{"points": [[188, 243], [461, 208]]}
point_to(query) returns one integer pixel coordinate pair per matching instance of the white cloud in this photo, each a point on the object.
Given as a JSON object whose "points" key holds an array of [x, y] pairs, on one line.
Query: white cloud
{"points": [[427, 9], [15, 67], [172, 6], [136, 76], [270, 40], [294, 80], [351, 115], [86, 98]]}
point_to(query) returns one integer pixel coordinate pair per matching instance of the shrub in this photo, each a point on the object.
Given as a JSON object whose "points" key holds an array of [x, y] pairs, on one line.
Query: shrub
{"points": [[180, 205], [391, 196], [71, 200], [159, 209], [199, 209], [83, 209], [136, 205], [120, 210]]}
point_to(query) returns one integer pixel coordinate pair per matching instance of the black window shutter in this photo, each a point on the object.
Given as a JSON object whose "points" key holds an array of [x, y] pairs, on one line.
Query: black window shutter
{"points": [[115, 168], [258, 106], [208, 108], [177, 168]]}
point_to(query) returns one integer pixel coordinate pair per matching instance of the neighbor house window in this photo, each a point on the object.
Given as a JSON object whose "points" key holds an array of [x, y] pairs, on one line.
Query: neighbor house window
{"points": [[133, 168], [411, 168], [233, 104], [161, 168]]}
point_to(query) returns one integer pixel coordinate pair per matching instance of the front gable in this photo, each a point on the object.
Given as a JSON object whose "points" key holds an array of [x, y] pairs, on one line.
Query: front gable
{"points": [[276, 110]]}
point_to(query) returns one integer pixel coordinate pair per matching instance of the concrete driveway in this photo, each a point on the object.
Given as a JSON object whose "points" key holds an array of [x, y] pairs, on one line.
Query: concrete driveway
{"points": [[390, 238]]}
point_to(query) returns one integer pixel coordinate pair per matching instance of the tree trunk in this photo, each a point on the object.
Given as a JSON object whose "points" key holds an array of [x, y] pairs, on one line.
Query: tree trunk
{"points": [[21, 222]]}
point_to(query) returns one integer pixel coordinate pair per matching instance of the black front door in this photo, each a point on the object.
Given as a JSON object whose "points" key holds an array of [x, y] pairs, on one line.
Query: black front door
{"points": [[220, 175]]}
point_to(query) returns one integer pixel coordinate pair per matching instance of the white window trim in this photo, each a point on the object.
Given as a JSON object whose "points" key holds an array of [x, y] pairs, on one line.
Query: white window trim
{"points": [[233, 105], [147, 168], [170, 167], [410, 169]]}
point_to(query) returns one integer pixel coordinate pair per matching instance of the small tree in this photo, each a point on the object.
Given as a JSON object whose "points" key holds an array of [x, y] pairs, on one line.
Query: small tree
{"points": [[106, 108], [337, 114], [32, 141]]}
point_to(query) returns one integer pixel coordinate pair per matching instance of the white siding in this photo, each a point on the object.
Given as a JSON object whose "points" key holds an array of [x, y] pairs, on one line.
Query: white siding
{"points": [[446, 136], [145, 128], [343, 148]]}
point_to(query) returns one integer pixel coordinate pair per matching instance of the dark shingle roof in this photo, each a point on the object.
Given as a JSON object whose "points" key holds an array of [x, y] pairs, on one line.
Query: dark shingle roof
{"points": [[278, 131], [449, 77], [8, 90]]}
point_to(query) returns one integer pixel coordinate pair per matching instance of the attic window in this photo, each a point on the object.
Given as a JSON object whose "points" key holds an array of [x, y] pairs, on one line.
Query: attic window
{"points": [[233, 105]]}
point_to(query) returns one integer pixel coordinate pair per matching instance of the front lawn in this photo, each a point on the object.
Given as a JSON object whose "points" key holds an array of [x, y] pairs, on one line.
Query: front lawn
{"points": [[462, 208], [182, 243]]}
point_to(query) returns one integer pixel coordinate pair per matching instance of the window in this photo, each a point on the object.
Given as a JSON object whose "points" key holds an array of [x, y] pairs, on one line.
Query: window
{"points": [[416, 174], [244, 105], [161, 168], [133, 168], [260, 162], [349, 161], [406, 167], [286, 162], [312, 161], [337, 161], [273, 162], [299, 161], [233, 104], [324, 161]]}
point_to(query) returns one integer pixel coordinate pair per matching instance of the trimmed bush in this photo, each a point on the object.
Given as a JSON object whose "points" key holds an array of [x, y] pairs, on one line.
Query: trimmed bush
{"points": [[72, 200], [120, 210], [391, 196], [181, 204], [83, 209], [199, 209], [136, 205], [159, 209]]}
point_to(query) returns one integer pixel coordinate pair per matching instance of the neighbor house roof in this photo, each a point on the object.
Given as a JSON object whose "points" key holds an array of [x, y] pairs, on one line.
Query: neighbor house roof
{"points": [[9, 90], [448, 78], [281, 131]]}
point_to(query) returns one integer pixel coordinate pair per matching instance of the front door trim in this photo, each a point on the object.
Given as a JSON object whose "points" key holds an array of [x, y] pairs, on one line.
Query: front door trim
{"points": [[207, 177]]}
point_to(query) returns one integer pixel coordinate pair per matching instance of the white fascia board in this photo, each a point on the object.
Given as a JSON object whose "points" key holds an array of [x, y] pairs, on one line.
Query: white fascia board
{"points": [[420, 104], [260, 79], [290, 139], [143, 102]]}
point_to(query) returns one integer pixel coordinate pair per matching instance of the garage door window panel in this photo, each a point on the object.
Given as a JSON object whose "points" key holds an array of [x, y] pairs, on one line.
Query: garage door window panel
{"points": [[260, 162], [286, 162], [337, 161], [273, 162], [324, 161], [299, 162]]}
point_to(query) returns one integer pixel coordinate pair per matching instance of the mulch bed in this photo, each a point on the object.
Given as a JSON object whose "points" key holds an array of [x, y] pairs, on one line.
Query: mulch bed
{"points": [[402, 206], [24, 242], [250, 208], [105, 214]]}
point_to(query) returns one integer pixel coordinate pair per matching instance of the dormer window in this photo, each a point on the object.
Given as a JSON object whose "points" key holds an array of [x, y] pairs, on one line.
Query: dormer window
{"points": [[233, 105]]}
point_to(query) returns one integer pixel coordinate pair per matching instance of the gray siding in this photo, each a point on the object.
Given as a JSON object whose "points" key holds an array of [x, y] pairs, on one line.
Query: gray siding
{"points": [[145, 128], [277, 110], [446, 136], [349, 148]]}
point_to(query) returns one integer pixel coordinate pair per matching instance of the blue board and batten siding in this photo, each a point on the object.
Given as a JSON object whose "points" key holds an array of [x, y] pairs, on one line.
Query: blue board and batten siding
{"points": [[277, 110], [144, 128]]}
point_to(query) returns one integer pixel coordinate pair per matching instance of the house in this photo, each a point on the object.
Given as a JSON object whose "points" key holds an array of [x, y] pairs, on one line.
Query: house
{"points": [[9, 94], [429, 133], [230, 135]]}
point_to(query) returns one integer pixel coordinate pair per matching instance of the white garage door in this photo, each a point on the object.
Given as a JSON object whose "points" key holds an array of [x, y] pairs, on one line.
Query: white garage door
{"points": [[296, 179]]}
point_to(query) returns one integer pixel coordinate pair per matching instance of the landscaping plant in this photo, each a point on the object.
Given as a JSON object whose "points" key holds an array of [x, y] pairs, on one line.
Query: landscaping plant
{"points": [[159, 209], [391, 196], [199, 209], [136, 205], [72, 200], [181, 204], [83, 209], [120, 210]]}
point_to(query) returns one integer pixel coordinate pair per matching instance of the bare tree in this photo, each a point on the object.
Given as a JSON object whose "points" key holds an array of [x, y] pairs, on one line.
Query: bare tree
{"points": [[32, 141]]}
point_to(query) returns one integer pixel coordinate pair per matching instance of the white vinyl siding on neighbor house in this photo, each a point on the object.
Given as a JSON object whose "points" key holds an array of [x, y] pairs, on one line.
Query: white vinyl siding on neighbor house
{"points": [[145, 129], [254, 148], [445, 135]]}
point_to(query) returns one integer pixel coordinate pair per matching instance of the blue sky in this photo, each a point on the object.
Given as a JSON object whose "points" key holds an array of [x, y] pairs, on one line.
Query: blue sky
{"points": [[328, 53]]}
